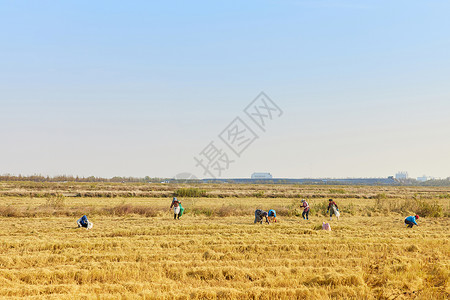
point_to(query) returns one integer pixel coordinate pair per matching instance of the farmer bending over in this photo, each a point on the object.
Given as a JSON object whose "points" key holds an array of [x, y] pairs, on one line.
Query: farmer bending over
{"points": [[411, 221], [272, 214], [259, 215], [84, 222]]}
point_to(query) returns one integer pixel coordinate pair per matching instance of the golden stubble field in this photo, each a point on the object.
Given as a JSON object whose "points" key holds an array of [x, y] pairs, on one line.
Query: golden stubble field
{"points": [[212, 254]]}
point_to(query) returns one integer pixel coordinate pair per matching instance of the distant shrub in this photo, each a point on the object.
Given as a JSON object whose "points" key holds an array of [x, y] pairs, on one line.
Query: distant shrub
{"points": [[56, 210], [9, 211], [128, 209], [190, 192], [381, 196], [348, 209], [227, 211], [259, 194], [294, 208], [56, 201], [223, 211], [285, 211], [422, 207], [429, 209], [319, 209], [196, 211], [338, 191]]}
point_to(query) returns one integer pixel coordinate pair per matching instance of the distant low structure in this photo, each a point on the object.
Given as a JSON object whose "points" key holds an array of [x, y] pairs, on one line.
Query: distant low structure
{"points": [[401, 175], [332, 181], [262, 176], [424, 178]]}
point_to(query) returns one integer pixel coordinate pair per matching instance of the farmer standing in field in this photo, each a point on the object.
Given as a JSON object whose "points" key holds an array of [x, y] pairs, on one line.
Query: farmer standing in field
{"points": [[333, 209], [176, 204], [259, 215], [306, 209], [411, 221]]}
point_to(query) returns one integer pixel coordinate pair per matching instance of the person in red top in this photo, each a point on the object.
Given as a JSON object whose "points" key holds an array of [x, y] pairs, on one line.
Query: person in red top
{"points": [[176, 208], [333, 209], [306, 209]]}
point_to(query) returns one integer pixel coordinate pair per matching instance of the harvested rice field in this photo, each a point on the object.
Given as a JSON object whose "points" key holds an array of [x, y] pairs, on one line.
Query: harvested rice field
{"points": [[136, 250]]}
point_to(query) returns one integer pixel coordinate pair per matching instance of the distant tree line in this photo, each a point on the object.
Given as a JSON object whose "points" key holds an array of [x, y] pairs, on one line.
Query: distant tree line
{"points": [[431, 182], [147, 179], [436, 182], [69, 178]]}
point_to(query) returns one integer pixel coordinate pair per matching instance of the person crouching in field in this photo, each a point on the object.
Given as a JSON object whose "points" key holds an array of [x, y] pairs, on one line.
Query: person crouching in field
{"points": [[411, 221], [84, 222], [306, 209], [259, 215], [333, 209], [176, 204], [272, 214]]}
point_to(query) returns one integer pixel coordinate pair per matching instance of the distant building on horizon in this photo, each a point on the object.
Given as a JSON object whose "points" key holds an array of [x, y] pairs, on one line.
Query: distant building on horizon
{"points": [[424, 178], [262, 176], [401, 175]]}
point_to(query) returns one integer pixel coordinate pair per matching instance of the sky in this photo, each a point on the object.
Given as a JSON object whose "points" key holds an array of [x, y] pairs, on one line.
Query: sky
{"points": [[143, 88]]}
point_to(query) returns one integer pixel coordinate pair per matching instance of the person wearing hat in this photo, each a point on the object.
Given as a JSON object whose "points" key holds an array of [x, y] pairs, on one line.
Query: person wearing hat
{"points": [[176, 208], [333, 209], [306, 209], [411, 221], [272, 214]]}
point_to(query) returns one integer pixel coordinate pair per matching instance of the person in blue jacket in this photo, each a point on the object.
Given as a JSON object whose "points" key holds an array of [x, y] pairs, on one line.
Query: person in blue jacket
{"points": [[272, 214], [411, 221], [84, 222]]}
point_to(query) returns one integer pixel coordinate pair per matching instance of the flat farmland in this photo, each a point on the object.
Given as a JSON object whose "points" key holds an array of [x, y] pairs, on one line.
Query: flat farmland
{"points": [[136, 250]]}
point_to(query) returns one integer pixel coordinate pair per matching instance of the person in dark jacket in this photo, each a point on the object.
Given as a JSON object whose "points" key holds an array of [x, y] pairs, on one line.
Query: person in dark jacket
{"points": [[333, 209], [260, 215], [411, 221]]}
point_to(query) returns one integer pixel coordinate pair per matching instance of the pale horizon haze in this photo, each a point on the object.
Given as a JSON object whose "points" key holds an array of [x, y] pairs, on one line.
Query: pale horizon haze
{"points": [[117, 88]]}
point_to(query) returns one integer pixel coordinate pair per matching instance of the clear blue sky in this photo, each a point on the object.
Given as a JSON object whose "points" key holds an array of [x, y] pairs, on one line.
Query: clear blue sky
{"points": [[136, 88]]}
